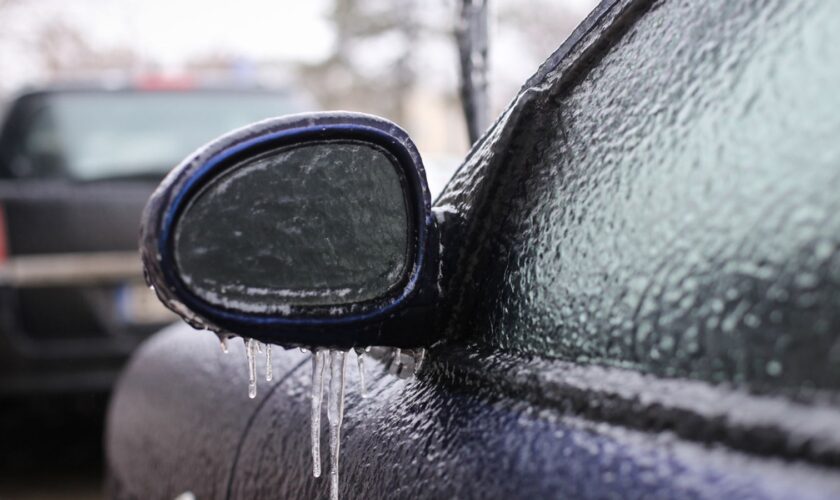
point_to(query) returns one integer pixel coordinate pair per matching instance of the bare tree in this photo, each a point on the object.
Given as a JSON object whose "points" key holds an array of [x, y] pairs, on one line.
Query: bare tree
{"points": [[545, 24], [371, 65], [471, 34]]}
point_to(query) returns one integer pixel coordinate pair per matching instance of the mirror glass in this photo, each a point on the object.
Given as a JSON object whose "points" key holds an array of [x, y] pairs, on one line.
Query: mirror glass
{"points": [[311, 224]]}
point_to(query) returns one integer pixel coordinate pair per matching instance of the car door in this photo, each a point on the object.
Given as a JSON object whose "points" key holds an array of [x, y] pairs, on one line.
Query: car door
{"points": [[640, 294]]}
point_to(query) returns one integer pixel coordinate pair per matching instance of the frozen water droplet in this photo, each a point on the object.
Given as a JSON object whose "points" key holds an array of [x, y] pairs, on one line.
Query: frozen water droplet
{"points": [[251, 354], [335, 414], [269, 374], [318, 358], [224, 342], [360, 359], [260, 347]]}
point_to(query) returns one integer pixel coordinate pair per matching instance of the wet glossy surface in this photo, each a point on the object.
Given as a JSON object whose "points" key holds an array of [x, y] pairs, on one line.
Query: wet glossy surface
{"points": [[674, 207], [432, 437]]}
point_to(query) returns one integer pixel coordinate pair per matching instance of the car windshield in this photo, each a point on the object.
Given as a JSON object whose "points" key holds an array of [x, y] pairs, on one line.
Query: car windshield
{"points": [[97, 135]]}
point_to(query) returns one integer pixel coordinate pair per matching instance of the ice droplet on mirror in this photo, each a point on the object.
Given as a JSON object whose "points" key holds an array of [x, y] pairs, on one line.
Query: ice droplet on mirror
{"points": [[269, 374], [318, 365], [335, 414], [251, 354]]}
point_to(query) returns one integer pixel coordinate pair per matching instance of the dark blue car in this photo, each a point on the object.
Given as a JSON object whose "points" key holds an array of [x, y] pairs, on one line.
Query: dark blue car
{"points": [[629, 289]]}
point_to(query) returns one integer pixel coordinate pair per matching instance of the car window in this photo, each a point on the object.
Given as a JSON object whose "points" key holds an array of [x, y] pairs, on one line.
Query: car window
{"points": [[96, 135], [42, 146], [673, 207]]}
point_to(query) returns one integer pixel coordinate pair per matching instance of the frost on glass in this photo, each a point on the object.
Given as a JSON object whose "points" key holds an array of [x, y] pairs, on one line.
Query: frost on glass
{"points": [[318, 224]]}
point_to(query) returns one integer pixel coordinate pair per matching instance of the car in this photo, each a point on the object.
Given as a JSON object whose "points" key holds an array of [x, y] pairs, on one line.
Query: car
{"points": [[77, 163], [629, 289]]}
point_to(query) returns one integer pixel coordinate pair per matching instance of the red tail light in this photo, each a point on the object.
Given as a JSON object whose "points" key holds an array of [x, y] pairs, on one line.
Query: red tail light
{"points": [[161, 82]]}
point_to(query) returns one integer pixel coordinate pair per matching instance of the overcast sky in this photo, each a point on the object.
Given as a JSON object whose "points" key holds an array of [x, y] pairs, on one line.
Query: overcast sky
{"points": [[173, 30], [170, 32]]}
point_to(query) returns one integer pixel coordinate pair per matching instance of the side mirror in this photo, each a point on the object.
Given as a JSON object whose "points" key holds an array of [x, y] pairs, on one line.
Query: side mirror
{"points": [[308, 230]]}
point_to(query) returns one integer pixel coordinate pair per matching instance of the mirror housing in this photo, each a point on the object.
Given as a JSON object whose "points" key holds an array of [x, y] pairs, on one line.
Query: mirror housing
{"points": [[310, 230]]}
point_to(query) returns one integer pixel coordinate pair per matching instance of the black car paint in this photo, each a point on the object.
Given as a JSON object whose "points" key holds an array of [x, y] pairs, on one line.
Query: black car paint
{"points": [[485, 420], [670, 205], [181, 421]]}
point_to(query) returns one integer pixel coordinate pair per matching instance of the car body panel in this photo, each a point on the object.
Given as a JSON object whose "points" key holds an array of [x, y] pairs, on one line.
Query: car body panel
{"points": [[181, 421], [666, 201]]}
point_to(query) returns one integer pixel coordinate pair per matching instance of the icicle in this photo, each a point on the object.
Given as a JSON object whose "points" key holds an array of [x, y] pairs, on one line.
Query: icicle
{"points": [[251, 354], [260, 347], [269, 374], [418, 359], [396, 362], [335, 413], [360, 359], [224, 341], [318, 365]]}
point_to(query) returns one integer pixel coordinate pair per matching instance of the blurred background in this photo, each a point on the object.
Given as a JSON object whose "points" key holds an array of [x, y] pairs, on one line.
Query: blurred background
{"points": [[101, 97]]}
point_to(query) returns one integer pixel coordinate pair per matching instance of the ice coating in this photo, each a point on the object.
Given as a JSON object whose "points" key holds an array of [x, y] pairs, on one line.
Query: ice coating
{"points": [[155, 225], [675, 240], [335, 414], [330, 363], [266, 251], [455, 436], [335, 361], [318, 365]]}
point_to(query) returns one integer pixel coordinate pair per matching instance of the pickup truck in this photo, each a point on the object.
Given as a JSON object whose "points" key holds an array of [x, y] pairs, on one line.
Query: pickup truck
{"points": [[77, 165]]}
